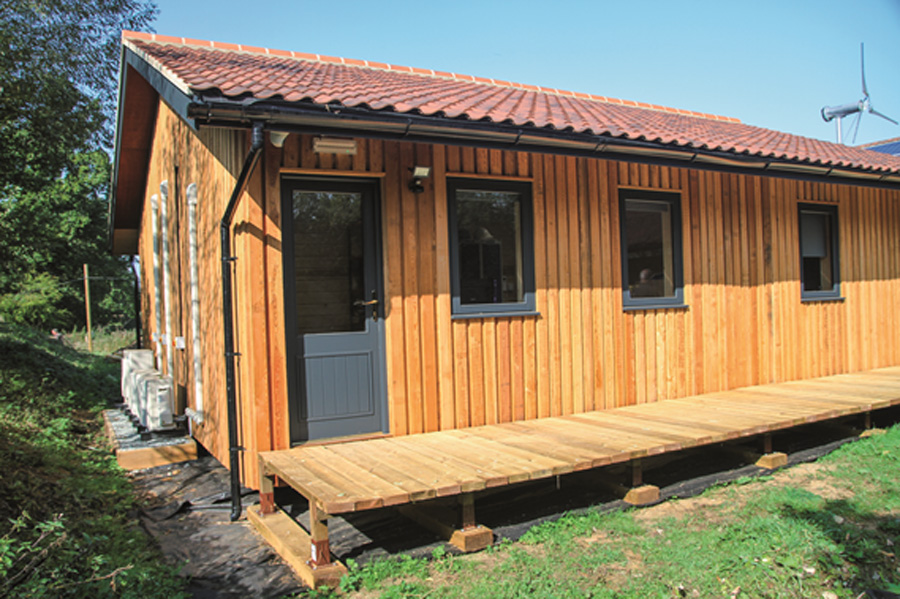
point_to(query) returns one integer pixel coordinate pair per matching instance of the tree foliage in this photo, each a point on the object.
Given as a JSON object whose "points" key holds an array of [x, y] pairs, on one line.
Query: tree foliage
{"points": [[58, 76], [58, 79], [47, 236]]}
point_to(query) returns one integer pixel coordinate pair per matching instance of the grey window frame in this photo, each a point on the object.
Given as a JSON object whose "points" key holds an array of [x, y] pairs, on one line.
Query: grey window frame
{"points": [[652, 303], [832, 211], [527, 305]]}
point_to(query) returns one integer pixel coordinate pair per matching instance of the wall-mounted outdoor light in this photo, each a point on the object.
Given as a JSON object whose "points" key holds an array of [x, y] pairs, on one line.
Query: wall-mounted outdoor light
{"points": [[277, 138], [419, 173], [334, 145]]}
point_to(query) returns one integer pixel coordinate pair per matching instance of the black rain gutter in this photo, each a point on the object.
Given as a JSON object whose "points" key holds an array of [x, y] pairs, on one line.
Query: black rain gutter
{"points": [[234, 448], [351, 121]]}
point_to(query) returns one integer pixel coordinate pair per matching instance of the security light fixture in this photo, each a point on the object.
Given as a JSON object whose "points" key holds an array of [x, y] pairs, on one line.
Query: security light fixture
{"points": [[277, 138], [334, 145], [419, 173]]}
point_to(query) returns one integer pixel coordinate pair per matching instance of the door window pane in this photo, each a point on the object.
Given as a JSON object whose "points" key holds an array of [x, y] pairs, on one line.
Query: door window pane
{"points": [[328, 261]]}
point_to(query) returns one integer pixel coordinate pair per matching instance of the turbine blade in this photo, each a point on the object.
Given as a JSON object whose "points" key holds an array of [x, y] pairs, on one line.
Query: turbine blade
{"points": [[856, 126], [884, 116], [862, 68]]}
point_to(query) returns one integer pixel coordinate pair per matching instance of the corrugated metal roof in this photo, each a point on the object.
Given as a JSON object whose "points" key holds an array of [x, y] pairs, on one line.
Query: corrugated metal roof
{"points": [[236, 71]]}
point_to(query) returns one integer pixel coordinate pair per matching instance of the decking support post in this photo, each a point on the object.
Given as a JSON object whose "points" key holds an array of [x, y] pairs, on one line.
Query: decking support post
{"points": [[867, 420], [266, 490], [266, 494], [767, 443], [320, 551], [467, 511], [637, 474]]}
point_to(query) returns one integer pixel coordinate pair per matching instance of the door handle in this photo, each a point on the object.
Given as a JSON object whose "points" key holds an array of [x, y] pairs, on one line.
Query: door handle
{"points": [[365, 304]]}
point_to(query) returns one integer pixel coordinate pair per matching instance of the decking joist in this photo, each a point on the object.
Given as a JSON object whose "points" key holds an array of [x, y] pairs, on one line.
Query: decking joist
{"points": [[374, 473]]}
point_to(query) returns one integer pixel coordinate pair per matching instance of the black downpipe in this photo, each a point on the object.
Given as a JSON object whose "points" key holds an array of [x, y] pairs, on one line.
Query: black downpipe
{"points": [[256, 145]]}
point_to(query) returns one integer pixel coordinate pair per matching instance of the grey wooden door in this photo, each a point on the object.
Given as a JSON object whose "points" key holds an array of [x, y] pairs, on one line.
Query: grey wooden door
{"points": [[335, 336]]}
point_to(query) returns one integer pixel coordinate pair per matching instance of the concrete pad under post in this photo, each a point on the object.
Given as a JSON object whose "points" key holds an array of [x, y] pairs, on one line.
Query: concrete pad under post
{"points": [[871, 433], [643, 495], [640, 494], [773, 460], [472, 539], [466, 535]]}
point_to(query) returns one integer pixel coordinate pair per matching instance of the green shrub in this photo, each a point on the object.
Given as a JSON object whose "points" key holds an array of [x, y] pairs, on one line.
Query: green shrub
{"points": [[65, 529], [35, 303]]}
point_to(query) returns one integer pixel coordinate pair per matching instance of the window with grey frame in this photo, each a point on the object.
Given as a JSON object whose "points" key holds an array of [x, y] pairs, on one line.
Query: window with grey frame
{"points": [[491, 247], [651, 249], [819, 265]]}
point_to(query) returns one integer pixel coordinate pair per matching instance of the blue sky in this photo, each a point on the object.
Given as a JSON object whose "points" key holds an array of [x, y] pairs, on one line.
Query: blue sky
{"points": [[770, 63]]}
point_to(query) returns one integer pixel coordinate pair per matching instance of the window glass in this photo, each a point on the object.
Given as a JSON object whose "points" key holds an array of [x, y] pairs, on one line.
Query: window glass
{"points": [[490, 236], [328, 261], [818, 241], [650, 248]]}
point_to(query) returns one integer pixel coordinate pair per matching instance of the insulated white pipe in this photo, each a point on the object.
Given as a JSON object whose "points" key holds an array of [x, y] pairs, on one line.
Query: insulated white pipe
{"points": [[197, 413], [157, 300], [168, 338]]}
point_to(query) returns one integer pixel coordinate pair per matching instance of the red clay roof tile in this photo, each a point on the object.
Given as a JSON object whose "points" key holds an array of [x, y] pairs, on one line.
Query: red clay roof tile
{"points": [[293, 76]]}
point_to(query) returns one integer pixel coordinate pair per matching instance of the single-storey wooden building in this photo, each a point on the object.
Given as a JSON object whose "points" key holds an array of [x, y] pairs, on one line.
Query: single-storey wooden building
{"points": [[413, 251]]}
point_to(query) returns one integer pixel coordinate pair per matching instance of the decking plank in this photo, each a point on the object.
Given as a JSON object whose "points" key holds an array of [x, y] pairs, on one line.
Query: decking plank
{"points": [[526, 439], [495, 471], [542, 464], [667, 440], [597, 454], [374, 473], [390, 493], [419, 488], [624, 446], [445, 477], [689, 434], [680, 417], [814, 399], [778, 408], [760, 407], [288, 468]]}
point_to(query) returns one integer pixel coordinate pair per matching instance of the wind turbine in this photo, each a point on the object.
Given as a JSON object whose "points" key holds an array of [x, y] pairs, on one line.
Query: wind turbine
{"points": [[859, 107]]}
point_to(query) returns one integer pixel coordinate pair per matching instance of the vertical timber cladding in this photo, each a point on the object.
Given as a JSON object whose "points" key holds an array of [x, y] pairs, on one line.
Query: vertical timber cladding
{"points": [[212, 159], [744, 324]]}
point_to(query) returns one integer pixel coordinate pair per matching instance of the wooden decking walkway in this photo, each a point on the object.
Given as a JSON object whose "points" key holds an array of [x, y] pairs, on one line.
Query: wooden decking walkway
{"points": [[367, 474]]}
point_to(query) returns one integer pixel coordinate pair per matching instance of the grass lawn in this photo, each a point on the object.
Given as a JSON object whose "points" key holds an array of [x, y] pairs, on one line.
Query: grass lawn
{"points": [[65, 523], [826, 530]]}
